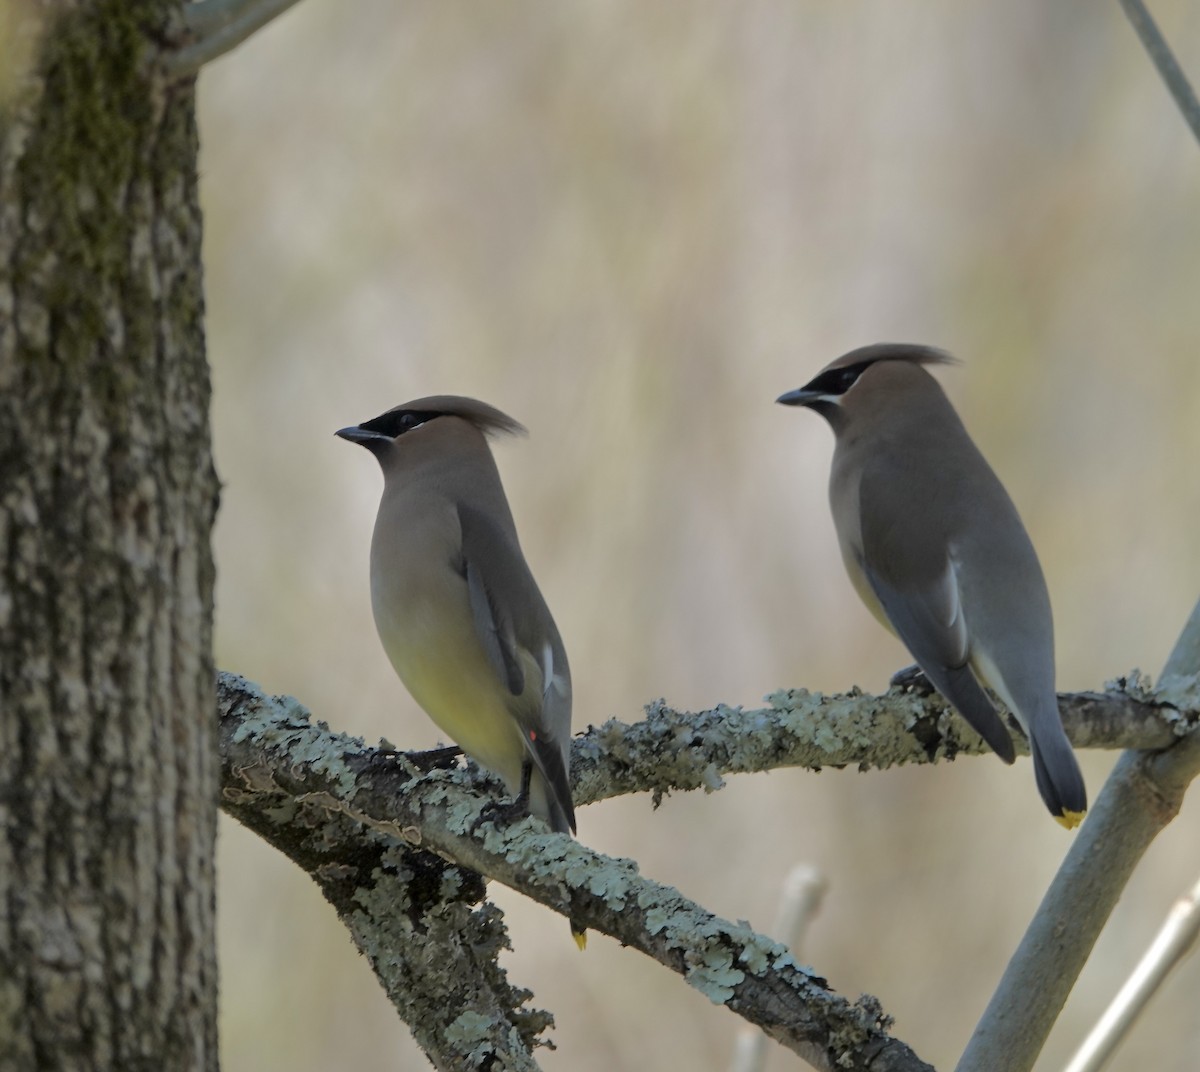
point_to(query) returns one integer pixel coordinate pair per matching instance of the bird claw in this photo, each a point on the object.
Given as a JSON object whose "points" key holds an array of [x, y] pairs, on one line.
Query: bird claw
{"points": [[912, 679], [500, 813], [433, 758]]}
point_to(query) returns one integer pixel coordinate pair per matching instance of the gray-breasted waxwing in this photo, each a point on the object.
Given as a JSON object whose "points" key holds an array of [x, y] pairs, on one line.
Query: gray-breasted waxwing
{"points": [[936, 550], [456, 607]]}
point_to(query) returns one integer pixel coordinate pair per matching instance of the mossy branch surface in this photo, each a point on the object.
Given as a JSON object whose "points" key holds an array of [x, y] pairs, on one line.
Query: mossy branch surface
{"points": [[421, 922], [276, 759], [312, 784], [673, 750]]}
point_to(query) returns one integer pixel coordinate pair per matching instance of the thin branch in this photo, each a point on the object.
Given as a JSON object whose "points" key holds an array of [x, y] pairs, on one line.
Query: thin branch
{"points": [[269, 748], [1160, 53], [286, 766], [799, 901], [1183, 664], [1174, 941], [672, 750], [1142, 795], [214, 27]]}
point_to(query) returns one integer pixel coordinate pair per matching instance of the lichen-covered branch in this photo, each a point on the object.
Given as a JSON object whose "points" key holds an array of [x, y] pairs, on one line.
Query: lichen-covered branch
{"points": [[799, 900], [672, 749], [412, 914], [276, 762], [1142, 795], [275, 759]]}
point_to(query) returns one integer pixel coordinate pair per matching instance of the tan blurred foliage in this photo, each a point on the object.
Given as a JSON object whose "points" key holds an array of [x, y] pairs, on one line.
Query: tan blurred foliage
{"points": [[631, 226]]}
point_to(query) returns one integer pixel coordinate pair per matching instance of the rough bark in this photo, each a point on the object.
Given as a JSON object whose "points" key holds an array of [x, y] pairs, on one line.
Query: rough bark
{"points": [[108, 762]]}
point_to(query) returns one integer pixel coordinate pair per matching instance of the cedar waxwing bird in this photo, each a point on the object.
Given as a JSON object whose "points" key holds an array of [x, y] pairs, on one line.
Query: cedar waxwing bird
{"points": [[936, 550], [459, 614]]}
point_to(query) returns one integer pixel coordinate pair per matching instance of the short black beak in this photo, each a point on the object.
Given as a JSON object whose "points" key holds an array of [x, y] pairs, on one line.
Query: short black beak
{"points": [[361, 436], [801, 396]]}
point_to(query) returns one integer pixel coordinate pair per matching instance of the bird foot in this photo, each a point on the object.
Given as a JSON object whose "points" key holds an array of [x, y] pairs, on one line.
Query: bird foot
{"points": [[912, 679], [501, 813], [434, 758]]}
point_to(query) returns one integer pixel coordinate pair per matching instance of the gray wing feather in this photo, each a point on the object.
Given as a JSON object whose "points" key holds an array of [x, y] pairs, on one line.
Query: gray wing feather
{"points": [[493, 626], [911, 571], [931, 625], [495, 572]]}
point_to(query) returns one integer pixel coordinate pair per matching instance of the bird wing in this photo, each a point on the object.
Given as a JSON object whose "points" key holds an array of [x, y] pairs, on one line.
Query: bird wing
{"points": [[498, 583], [549, 747], [912, 573], [483, 547]]}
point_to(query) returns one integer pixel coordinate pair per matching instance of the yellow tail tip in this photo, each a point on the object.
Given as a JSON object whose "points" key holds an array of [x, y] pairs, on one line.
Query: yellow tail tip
{"points": [[580, 936], [1070, 819]]}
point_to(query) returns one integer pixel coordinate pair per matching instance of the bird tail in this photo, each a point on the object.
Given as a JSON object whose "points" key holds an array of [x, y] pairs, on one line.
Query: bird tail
{"points": [[579, 933], [551, 762], [562, 819], [960, 686], [1059, 779]]}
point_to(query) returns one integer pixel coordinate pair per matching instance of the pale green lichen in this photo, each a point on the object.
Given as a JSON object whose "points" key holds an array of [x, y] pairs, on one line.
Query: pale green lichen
{"points": [[459, 814], [451, 884], [711, 970], [613, 882], [710, 778], [553, 860], [469, 1030], [847, 1040], [1183, 694], [784, 959], [611, 739], [386, 895], [1136, 685], [658, 918], [759, 952], [284, 813], [285, 723], [291, 709]]}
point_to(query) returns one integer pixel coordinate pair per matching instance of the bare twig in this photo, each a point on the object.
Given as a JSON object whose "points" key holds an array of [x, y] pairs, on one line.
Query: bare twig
{"points": [[215, 27], [1142, 795], [799, 901], [1160, 53], [1176, 938]]}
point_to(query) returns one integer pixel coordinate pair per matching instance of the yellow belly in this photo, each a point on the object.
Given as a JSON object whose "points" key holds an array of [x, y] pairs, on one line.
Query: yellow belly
{"points": [[444, 667], [863, 587]]}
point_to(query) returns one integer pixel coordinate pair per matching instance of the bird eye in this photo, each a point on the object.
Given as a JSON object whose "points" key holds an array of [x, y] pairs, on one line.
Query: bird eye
{"points": [[837, 382], [396, 422]]}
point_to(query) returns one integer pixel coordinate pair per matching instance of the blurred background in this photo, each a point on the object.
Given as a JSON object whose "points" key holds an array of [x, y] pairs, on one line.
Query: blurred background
{"points": [[632, 226]]}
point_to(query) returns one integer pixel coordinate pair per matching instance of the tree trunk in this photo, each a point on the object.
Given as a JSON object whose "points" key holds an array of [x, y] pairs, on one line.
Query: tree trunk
{"points": [[108, 762]]}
